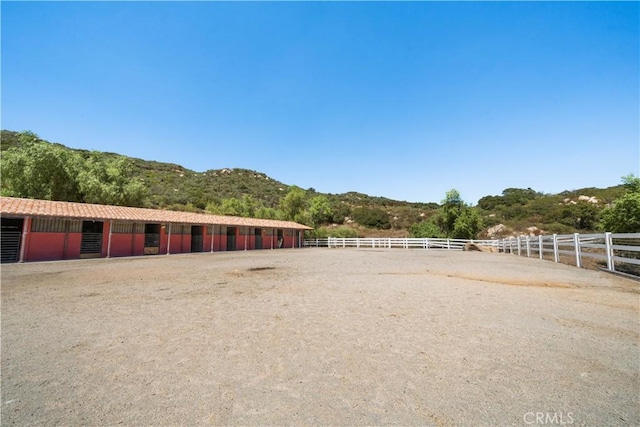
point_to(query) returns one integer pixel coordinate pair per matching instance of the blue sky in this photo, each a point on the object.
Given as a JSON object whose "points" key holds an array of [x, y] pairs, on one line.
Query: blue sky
{"points": [[404, 100]]}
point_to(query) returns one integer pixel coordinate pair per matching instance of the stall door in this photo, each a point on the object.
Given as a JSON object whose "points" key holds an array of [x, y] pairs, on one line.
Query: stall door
{"points": [[10, 238], [258, 238], [151, 239], [231, 238], [196, 238], [91, 244]]}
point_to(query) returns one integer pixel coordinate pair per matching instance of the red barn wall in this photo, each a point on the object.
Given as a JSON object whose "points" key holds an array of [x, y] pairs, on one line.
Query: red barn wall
{"points": [[46, 246], [122, 244]]}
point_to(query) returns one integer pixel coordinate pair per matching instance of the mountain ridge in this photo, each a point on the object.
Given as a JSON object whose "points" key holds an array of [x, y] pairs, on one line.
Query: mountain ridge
{"points": [[172, 186]]}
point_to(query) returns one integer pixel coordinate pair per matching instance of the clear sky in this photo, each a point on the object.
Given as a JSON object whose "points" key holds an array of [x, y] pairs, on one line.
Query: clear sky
{"points": [[398, 99]]}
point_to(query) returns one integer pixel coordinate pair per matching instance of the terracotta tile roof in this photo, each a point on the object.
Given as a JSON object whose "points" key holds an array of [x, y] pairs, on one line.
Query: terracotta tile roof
{"points": [[48, 208]]}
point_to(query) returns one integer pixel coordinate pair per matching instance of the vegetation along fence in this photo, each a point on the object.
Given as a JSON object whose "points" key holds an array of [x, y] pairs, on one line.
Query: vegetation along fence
{"points": [[615, 252]]}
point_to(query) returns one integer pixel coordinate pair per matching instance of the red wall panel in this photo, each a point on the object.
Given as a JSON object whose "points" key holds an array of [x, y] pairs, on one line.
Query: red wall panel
{"points": [[121, 245], [138, 244], [45, 246], [73, 245]]}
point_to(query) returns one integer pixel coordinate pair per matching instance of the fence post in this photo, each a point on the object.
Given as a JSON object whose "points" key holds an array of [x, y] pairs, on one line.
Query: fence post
{"points": [[556, 255], [607, 243], [540, 246], [528, 246], [576, 246], [518, 240], [448, 244]]}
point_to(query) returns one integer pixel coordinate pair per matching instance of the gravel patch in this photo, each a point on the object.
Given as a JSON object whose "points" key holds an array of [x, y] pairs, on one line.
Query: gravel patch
{"points": [[318, 337]]}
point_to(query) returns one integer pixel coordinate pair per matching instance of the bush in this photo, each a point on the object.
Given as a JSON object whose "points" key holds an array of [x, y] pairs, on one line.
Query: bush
{"points": [[323, 233], [371, 217], [425, 229]]}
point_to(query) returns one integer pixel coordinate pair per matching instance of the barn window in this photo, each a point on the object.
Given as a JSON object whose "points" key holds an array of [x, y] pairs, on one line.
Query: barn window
{"points": [[56, 225], [122, 227]]}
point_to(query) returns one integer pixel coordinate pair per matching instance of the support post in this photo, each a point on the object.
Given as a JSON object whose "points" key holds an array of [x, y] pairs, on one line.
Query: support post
{"points": [[25, 232], [576, 246], [608, 247], [528, 246], [109, 241], [556, 255], [540, 246], [169, 241], [246, 234], [213, 236]]}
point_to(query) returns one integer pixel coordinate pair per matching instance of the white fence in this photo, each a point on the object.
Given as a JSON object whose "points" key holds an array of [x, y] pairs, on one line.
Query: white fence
{"points": [[404, 243], [609, 248]]}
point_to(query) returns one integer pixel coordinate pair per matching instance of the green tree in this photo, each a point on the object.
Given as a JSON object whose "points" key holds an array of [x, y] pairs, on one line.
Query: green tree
{"points": [[455, 219], [624, 215], [246, 206], [452, 207], [467, 225], [268, 213], [293, 204], [320, 211], [39, 170], [109, 180], [425, 229]]}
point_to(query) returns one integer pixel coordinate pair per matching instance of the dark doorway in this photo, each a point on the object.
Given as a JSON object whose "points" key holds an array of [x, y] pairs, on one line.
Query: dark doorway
{"points": [[231, 238], [151, 239], [91, 244], [258, 237], [10, 238], [196, 238], [280, 238]]}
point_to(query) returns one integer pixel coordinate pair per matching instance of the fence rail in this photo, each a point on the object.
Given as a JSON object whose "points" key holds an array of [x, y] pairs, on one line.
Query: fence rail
{"points": [[390, 243], [621, 252]]}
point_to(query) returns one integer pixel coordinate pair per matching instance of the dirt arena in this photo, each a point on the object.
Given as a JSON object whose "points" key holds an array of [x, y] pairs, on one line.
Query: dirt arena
{"points": [[319, 337]]}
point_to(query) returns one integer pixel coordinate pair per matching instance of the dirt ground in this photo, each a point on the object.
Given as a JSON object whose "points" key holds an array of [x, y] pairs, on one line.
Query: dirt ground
{"points": [[319, 337]]}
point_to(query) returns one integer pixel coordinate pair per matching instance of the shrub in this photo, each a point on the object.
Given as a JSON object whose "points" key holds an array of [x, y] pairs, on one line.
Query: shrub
{"points": [[371, 217]]}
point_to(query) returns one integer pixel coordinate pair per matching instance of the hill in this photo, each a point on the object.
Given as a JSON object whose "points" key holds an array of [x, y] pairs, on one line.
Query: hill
{"points": [[172, 186]]}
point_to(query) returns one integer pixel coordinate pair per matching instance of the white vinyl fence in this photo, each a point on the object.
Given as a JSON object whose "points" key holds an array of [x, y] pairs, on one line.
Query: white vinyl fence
{"points": [[394, 242], [609, 248]]}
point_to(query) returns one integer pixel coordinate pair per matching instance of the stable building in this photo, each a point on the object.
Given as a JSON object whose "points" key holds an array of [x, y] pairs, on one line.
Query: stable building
{"points": [[44, 230]]}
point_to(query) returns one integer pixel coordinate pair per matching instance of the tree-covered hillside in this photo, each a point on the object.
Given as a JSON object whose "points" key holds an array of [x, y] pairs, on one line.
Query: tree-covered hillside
{"points": [[35, 168]]}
